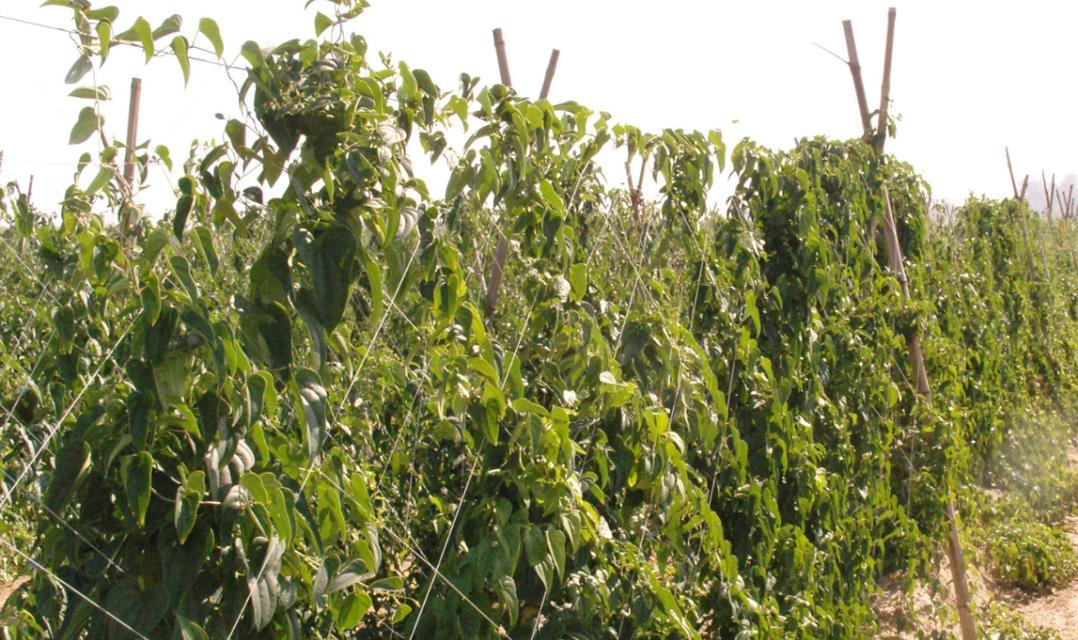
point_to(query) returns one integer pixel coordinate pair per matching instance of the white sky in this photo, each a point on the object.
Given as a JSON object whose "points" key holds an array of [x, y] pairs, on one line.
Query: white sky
{"points": [[969, 77]]}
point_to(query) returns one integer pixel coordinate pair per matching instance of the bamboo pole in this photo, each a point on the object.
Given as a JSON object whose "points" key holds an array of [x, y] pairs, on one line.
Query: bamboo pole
{"points": [[551, 67], [1049, 193], [129, 156], [855, 71], [916, 352], [885, 88], [501, 252], [1010, 170], [132, 133], [503, 61]]}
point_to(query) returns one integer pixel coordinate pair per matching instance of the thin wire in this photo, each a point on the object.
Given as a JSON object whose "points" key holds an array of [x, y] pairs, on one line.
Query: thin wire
{"points": [[72, 529], [445, 544], [378, 329], [505, 378], [351, 384], [475, 464], [415, 552], [820, 46], [56, 427], [158, 53], [33, 563], [400, 432]]}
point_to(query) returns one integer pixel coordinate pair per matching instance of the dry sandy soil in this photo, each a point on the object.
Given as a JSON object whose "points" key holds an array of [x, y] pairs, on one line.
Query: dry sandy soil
{"points": [[1058, 610]]}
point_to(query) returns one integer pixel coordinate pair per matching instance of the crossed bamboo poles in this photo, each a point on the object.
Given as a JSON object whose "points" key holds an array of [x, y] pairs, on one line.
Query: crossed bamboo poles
{"points": [[497, 269], [878, 139]]}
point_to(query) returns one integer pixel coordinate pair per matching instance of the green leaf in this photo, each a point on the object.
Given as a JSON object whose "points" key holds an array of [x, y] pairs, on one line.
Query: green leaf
{"points": [[104, 174], [208, 28], [578, 279], [313, 405], [506, 589], [321, 23], [142, 610], [139, 406], [190, 630], [100, 93], [72, 463], [179, 47], [374, 278], [162, 152], [81, 67], [263, 585], [330, 258], [350, 574], [555, 541], [151, 297], [183, 210], [409, 88], [551, 198], [349, 613], [135, 471], [181, 561], [205, 246], [85, 126], [252, 53], [140, 32], [527, 407], [188, 497], [108, 14], [171, 25], [104, 38]]}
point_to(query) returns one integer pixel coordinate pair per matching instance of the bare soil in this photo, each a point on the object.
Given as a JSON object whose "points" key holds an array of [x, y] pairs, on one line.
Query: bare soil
{"points": [[1057, 610], [901, 614]]}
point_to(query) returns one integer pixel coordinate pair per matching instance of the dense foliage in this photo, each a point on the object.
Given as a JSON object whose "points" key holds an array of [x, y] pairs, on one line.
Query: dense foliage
{"points": [[284, 411]]}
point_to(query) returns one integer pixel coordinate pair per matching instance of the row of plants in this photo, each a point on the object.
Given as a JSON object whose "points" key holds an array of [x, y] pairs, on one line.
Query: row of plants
{"points": [[283, 409]]}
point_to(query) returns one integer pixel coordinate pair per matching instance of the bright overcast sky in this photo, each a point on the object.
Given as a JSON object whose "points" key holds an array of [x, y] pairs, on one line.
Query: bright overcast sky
{"points": [[969, 77]]}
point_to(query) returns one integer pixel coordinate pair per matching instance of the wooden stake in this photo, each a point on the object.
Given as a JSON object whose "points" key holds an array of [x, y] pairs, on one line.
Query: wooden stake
{"points": [[1010, 170], [885, 89], [896, 262], [920, 374], [503, 61], [855, 71], [129, 156], [1025, 185], [551, 67], [501, 252], [132, 134], [1049, 193]]}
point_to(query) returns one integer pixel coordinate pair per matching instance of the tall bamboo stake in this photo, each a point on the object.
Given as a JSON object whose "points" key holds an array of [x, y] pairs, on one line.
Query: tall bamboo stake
{"points": [[855, 70], [497, 269], [916, 353], [1010, 170], [503, 61], [129, 156], [1049, 193], [501, 252], [885, 88], [551, 67]]}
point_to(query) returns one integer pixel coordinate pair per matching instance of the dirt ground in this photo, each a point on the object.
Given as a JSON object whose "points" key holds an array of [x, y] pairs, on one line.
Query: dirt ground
{"points": [[1057, 610]]}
